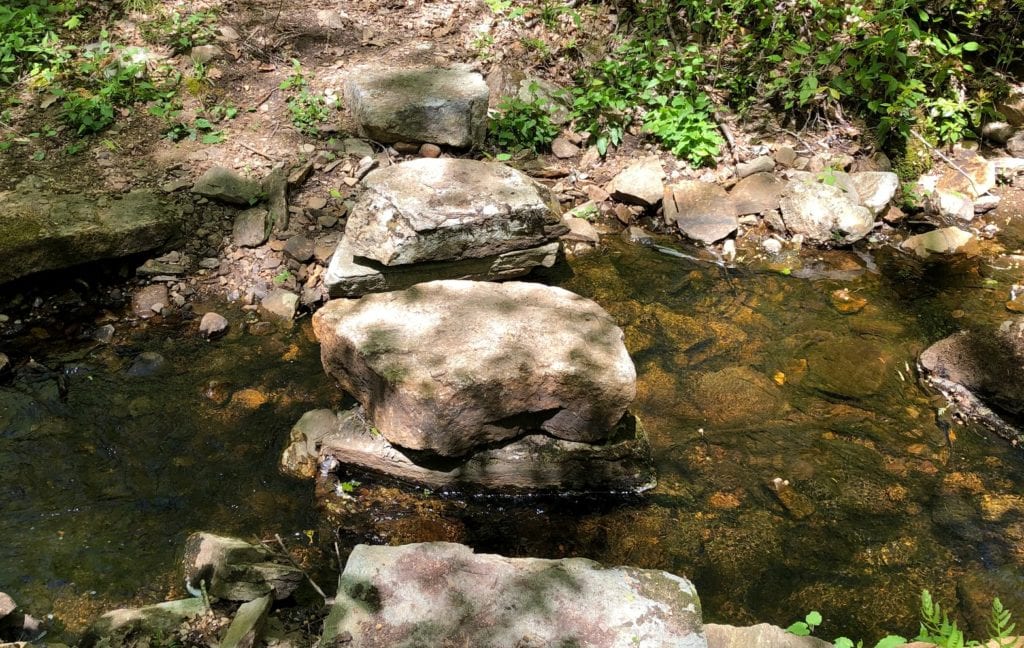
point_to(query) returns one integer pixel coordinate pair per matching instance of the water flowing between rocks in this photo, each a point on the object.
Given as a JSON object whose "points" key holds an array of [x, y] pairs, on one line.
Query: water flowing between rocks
{"points": [[801, 465]]}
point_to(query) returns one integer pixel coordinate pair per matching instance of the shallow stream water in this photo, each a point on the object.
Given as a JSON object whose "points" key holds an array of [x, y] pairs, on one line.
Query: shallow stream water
{"points": [[801, 464]]}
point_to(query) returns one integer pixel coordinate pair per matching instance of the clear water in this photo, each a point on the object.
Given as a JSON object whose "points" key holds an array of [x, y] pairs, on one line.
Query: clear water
{"points": [[745, 377]]}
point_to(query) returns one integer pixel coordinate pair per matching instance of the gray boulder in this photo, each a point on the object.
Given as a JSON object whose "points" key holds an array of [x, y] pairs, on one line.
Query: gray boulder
{"points": [[498, 602], [447, 366], [225, 185], [444, 218], [701, 210], [236, 570], [823, 213], [443, 209], [1015, 145], [47, 231], [440, 106], [251, 228], [535, 462]]}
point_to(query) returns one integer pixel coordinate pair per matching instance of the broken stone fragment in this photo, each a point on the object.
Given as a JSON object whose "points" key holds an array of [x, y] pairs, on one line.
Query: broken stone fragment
{"points": [[701, 210], [235, 570]]}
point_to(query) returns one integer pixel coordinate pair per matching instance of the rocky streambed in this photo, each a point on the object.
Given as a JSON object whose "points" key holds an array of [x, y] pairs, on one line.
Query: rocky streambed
{"points": [[800, 462]]}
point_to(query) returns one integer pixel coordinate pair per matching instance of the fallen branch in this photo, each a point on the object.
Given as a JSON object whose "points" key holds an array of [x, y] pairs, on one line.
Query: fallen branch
{"points": [[260, 153], [327, 599]]}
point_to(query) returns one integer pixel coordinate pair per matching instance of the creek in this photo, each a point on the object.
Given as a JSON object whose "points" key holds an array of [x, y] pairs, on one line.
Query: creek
{"points": [[801, 464]]}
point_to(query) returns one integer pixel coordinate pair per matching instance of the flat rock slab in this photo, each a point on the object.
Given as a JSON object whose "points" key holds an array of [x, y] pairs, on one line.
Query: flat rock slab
{"points": [[447, 366], [345, 277], [235, 570], [946, 240], [131, 626], [762, 635], [449, 209], [442, 594], [535, 462], [701, 210], [756, 194], [47, 231], [420, 105]]}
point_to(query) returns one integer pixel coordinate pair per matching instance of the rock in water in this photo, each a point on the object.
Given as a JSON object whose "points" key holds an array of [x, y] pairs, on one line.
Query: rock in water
{"points": [[823, 213], [46, 231], [701, 210], [490, 600], [444, 218], [447, 366], [440, 106], [236, 570], [444, 209], [946, 240], [212, 325], [535, 462], [128, 627]]}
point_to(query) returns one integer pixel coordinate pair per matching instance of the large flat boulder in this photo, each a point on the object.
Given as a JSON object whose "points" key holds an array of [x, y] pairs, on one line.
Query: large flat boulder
{"points": [[447, 366], [449, 209], [41, 230], [149, 625], [420, 105], [535, 462], [442, 594]]}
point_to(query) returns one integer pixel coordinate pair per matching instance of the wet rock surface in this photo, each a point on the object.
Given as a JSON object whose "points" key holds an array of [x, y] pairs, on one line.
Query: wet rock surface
{"points": [[489, 600]]}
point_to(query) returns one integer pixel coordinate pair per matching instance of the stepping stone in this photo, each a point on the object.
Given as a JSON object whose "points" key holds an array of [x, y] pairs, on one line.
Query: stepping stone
{"points": [[448, 366], [447, 107], [490, 600], [42, 230], [444, 218]]}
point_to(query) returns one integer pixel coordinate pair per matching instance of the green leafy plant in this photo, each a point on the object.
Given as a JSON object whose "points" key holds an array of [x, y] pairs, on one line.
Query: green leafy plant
{"points": [[686, 127], [807, 626], [307, 109], [522, 124], [182, 31]]}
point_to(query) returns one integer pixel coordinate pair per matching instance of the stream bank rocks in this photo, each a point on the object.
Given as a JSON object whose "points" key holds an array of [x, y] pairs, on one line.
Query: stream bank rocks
{"points": [[490, 600], [447, 369], [433, 105], [444, 218], [43, 230], [236, 570]]}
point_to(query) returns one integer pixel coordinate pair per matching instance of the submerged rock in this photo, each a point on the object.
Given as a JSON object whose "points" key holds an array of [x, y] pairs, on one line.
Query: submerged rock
{"points": [[946, 240], [447, 366], [490, 600], [47, 231], [434, 105], [981, 370]]}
